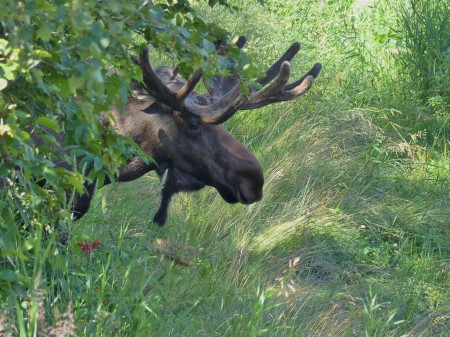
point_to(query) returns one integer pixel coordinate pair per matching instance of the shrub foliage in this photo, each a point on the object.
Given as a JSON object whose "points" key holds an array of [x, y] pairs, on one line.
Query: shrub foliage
{"points": [[52, 51]]}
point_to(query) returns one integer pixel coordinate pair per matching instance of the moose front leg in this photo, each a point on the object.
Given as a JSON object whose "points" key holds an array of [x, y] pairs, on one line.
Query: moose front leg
{"points": [[176, 181], [82, 202]]}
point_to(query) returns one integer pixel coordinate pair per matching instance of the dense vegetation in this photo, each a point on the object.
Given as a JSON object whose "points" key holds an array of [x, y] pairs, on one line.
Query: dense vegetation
{"points": [[351, 238]]}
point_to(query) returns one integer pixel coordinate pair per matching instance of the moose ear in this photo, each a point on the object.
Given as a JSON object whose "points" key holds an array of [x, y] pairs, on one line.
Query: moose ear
{"points": [[157, 108]]}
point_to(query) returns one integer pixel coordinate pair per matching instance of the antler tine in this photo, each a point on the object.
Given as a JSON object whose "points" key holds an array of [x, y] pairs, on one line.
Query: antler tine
{"points": [[273, 71], [221, 110], [314, 72], [227, 105], [221, 84], [278, 91], [241, 41], [156, 87], [275, 87], [153, 83], [189, 86]]}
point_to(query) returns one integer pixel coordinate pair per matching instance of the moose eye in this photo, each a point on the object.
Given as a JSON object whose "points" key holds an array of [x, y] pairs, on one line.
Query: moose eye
{"points": [[193, 124]]}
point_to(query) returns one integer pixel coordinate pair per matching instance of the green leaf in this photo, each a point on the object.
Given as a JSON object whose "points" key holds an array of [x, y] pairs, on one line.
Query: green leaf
{"points": [[97, 76], [3, 83], [98, 164], [209, 46], [50, 138], [5, 169], [40, 53], [6, 72], [75, 83], [29, 244], [105, 42], [8, 276], [76, 180], [79, 131], [101, 178], [51, 174], [48, 122], [44, 32]]}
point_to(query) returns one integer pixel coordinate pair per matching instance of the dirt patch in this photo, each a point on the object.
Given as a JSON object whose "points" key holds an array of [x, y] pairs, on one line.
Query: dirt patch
{"points": [[182, 254]]}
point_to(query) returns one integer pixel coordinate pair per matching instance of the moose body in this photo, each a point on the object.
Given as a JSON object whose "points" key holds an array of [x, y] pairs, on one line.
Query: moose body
{"points": [[180, 130]]}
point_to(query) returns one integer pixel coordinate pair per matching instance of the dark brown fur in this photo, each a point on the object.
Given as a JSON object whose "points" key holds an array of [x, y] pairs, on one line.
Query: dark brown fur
{"points": [[194, 154]]}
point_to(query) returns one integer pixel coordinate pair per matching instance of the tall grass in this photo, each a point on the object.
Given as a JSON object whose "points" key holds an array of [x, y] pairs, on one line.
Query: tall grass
{"points": [[425, 59], [426, 43], [351, 237]]}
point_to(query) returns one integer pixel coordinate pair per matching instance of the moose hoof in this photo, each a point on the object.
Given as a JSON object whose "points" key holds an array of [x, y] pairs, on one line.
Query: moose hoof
{"points": [[160, 218]]}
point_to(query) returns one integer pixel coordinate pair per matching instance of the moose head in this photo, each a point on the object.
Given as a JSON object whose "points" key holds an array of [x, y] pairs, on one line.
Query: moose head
{"points": [[180, 129]]}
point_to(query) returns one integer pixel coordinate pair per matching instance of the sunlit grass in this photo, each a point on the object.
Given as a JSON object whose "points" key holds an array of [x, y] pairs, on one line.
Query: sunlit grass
{"points": [[331, 245]]}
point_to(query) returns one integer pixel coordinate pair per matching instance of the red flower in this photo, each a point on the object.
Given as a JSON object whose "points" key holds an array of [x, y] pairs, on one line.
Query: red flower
{"points": [[88, 247]]}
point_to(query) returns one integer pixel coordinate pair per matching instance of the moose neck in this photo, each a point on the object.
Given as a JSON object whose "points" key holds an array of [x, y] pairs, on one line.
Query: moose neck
{"points": [[143, 128]]}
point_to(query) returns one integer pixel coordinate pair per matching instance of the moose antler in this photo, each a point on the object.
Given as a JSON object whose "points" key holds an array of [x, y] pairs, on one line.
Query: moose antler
{"points": [[157, 88], [225, 97], [214, 113], [276, 92]]}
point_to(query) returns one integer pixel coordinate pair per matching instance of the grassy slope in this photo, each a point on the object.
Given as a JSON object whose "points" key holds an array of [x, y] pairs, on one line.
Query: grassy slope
{"points": [[351, 238]]}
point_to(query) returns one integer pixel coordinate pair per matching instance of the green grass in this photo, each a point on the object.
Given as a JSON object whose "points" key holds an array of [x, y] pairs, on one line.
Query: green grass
{"points": [[352, 237]]}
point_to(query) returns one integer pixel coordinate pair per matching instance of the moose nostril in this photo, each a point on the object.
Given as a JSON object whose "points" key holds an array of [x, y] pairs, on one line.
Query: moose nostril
{"points": [[247, 195], [241, 195]]}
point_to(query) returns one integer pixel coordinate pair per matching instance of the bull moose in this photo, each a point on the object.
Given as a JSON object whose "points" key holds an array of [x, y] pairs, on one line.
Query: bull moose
{"points": [[180, 129]]}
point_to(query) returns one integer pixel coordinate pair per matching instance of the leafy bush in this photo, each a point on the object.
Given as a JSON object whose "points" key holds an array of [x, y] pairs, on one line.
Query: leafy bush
{"points": [[51, 52]]}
